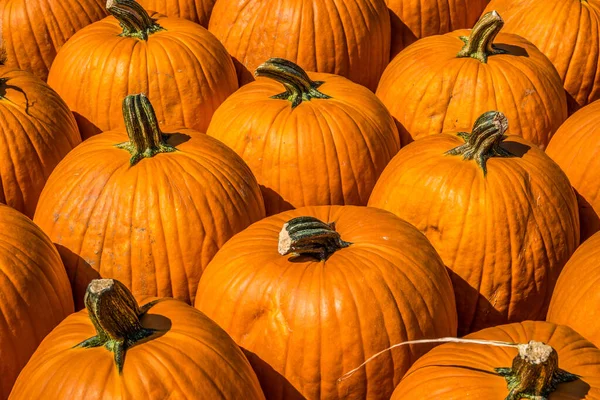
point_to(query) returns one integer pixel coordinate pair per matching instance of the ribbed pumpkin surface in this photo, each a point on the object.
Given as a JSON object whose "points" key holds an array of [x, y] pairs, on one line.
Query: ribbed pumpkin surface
{"points": [[197, 11]]}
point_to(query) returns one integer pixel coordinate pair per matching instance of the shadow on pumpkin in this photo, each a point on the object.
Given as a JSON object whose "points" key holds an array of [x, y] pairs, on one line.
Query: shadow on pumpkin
{"points": [[589, 219], [516, 149], [273, 384], [175, 138], [86, 127], [244, 75], [274, 203], [572, 104], [80, 274], [402, 35], [513, 50]]}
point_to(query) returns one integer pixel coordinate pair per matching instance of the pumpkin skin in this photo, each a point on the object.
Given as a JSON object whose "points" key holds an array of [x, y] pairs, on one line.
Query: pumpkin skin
{"points": [[37, 131], [34, 30], [305, 322], [434, 375], [504, 235], [185, 72], [415, 19], [154, 225], [34, 289], [558, 37], [575, 148], [189, 358], [575, 299], [197, 11], [324, 151], [351, 39], [429, 90]]}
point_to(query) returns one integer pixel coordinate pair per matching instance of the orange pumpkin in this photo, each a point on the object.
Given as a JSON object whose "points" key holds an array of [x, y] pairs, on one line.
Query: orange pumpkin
{"points": [[323, 141], [415, 19], [34, 30], [568, 32], [34, 292], [163, 349], [310, 292], [551, 362], [37, 131], [576, 301], [575, 148], [351, 39], [179, 65], [443, 83], [500, 212], [197, 11], [151, 211]]}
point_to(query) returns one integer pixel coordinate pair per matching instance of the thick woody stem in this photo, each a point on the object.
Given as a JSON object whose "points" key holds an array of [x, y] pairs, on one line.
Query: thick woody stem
{"points": [[310, 236], [480, 43]]}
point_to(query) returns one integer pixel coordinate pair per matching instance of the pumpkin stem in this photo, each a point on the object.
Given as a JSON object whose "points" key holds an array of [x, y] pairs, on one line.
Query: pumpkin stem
{"points": [[145, 137], [311, 237], [484, 142], [298, 86], [116, 315], [132, 17], [479, 44], [534, 373]]}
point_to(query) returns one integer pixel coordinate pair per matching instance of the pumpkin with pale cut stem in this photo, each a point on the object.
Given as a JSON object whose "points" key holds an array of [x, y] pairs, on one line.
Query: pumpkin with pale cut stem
{"points": [[34, 292], [312, 292], [309, 138], [500, 212], [348, 38], [37, 131], [443, 83], [150, 211], [576, 300], [575, 148], [180, 66], [551, 362], [568, 33], [197, 11], [117, 349], [33, 31]]}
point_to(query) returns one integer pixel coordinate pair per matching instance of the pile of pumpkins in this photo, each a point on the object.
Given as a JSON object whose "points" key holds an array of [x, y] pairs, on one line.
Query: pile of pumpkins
{"points": [[318, 199]]}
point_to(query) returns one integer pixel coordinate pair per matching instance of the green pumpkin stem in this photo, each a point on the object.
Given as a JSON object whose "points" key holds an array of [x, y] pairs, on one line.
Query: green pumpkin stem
{"points": [[132, 17], [309, 236], [298, 86], [116, 315], [480, 43], [485, 140], [534, 373], [145, 137]]}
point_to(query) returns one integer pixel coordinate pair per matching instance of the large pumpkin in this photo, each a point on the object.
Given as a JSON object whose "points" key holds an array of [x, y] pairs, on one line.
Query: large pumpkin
{"points": [[33, 31], [348, 38], [118, 350], [312, 292], [150, 211], [576, 300], [568, 32], [323, 141], [443, 83], [179, 65], [37, 131], [550, 362], [415, 19], [575, 148], [195, 10], [500, 212], [34, 292]]}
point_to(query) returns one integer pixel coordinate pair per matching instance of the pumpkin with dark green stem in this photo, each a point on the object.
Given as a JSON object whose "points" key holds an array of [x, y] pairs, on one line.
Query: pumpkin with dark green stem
{"points": [[147, 207]]}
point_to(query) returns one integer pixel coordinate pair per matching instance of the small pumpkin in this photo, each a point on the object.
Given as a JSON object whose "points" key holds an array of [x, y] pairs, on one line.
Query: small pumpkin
{"points": [[322, 141], [499, 211], [568, 33], [117, 349], [34, 292], [443, 83], [147, 207], [37, 131], [575, 148], [180, 66], [33, 31], [197, 11], [351, 39], [310, 292], [548, 362], [575, 300]]}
